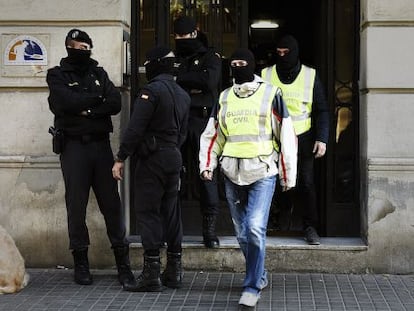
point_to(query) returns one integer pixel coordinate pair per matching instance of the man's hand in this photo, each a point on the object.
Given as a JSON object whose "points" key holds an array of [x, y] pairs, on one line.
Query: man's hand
{"points": [[319, 149], [286, 188], [118, 170], [206, 175]]}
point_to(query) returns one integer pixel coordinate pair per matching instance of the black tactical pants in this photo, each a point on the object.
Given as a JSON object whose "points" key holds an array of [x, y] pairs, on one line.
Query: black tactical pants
{"points": [[305, 188], [209, 196], [85, 165], [156, 193]]}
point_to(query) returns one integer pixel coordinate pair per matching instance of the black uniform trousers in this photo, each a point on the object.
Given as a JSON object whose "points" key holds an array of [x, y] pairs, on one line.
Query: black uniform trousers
{"points": [[85, 165], [209, 196], [303, 196], [305, 187], [156, 193]]}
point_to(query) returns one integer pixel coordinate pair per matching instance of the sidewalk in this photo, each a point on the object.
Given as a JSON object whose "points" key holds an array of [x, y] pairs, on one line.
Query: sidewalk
{"points": [[53, 289]]}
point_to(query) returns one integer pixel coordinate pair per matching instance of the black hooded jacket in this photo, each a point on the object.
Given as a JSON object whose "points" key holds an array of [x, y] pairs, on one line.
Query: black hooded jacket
{"points": [[199, 74], [73, 91]]}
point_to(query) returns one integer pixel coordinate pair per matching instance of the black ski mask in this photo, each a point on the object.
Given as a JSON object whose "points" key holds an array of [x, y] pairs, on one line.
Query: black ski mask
{"points": [[187, 47], [289, 61], [78, 57], [157, 62], [185, 25], [243, 74]]}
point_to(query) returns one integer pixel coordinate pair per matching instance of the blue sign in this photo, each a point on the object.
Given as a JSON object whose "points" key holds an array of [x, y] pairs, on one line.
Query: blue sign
{"points": [[25, 50]]}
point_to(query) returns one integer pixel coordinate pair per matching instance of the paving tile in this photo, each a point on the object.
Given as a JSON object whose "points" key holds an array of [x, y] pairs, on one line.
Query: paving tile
{"points": [[54, 290]]}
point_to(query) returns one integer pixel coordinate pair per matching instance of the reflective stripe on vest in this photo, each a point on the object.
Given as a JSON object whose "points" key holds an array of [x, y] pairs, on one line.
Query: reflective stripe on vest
{"points": [[246, 122], [298, 95]]}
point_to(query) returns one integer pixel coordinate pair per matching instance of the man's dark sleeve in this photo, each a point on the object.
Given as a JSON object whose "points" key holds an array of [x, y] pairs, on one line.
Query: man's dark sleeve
{"points": [[320, 112], [63, 100], [144, 107], [111, 98], [207, 78], [183, 130]]}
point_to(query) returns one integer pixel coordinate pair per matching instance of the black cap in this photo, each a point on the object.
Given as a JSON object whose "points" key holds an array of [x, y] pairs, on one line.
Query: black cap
{"points": [[184, 25], [157, 53], [79, 36]]}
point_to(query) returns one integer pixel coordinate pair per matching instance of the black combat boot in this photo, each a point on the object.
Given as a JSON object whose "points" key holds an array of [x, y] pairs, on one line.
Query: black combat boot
{"points": [[209, 231], [173, 275], [149, 280], [125, 274], [82, 274]]}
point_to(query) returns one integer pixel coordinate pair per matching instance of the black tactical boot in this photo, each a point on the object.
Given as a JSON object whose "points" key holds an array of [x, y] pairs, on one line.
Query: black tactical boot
{"points": [[125, 274], [311, 236], [209, 231], [149, 280], [82, 274], [173, 275]]}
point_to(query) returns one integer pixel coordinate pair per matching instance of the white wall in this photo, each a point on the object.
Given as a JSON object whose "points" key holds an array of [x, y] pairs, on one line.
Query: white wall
{"points": [[32, 204], [75, 11], [387, 127]]}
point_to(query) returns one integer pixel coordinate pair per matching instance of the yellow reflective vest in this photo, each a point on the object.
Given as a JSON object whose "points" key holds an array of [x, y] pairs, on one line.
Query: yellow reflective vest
{"points": [[298, 95], [246, 122]]}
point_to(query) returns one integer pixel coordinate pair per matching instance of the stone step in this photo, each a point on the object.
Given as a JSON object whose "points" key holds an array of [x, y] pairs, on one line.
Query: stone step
{"points": [[283, 254]]}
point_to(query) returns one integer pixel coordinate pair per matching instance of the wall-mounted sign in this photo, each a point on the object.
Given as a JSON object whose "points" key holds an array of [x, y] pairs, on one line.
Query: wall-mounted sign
{"points": [[24, 55], [25, 50]]}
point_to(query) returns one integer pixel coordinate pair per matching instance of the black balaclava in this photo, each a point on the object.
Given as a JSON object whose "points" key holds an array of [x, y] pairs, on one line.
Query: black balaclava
{"points": [[184, 25], [187, 47], [157, 62], [287, 65], [80, 58], [244, 73]]}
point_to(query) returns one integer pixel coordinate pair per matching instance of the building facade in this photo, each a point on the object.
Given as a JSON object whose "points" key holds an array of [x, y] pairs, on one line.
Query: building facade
{"points": [[362, 49]]}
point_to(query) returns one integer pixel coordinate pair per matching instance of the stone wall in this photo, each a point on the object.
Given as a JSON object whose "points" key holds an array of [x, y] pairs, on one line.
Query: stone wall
{"points": [[32, 204], [386, 127]]}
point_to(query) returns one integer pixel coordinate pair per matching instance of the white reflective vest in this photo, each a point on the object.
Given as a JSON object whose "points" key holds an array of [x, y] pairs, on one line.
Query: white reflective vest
{"points": [[298, 95], [247, 122]]}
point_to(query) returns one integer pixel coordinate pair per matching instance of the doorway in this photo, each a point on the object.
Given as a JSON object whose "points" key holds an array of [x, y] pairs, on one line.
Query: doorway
{"points": [[328, 36]]}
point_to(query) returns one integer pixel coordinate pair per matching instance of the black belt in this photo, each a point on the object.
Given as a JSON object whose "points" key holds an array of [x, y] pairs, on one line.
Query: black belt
{"points": [[165, 145], [88, 137], [200, 112]]}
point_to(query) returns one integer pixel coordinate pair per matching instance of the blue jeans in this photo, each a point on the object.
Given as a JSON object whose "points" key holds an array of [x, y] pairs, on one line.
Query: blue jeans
{"points": [[249, 207]]}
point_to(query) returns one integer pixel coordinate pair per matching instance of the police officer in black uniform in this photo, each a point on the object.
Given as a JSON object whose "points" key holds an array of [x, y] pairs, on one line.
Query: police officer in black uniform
{"points": [[82, 98], [199, 72], [155, 133]]}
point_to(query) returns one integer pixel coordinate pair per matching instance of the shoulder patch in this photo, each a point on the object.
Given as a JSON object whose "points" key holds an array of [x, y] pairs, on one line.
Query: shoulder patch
{"points": [[144, 96]]}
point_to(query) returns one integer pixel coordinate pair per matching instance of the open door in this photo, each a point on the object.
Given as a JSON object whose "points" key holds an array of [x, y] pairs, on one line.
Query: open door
{"points": [[328, 36]]}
